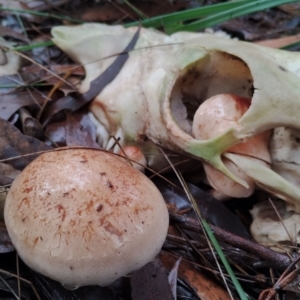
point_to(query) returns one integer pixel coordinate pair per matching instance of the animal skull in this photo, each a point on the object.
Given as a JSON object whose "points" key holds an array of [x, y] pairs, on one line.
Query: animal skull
{"points": [[152, 100]]}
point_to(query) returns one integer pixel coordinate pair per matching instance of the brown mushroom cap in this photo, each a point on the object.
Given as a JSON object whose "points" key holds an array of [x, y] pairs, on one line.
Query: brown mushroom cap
{"points": [[84, 217]]}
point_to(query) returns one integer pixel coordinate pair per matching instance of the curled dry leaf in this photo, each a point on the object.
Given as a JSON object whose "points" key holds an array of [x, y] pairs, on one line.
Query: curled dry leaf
{"points": [[76, 129], [30, 125], [172, 278], [14, 100], [14, 144], [204, 287], [77, 134]]}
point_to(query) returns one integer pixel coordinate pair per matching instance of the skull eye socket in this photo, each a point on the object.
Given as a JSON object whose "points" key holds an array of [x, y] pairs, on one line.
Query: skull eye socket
{"points": [[217, 73]]}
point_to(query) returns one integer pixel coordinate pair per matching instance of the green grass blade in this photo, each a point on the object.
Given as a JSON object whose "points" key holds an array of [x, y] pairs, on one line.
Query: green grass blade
{"points": [[209, 15], [186, 15], [214, 242], [224, 260], [291, 46], [32, 46], [241, 10], [208, 231]]}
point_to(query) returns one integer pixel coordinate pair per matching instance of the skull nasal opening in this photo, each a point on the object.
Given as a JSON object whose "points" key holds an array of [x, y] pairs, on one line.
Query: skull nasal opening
{"points": [[217, 73]]}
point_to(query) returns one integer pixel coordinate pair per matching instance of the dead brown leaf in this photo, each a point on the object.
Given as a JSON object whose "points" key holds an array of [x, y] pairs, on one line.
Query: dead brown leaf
{"points": [[76, 129], [76, 135], [11, 102], [9, 32], [280, 42], [13, 144], [205, 288], [150, 282]]}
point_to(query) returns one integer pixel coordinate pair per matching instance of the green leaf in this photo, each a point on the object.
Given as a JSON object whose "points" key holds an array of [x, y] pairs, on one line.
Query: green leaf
{"points": [[209, 15]]}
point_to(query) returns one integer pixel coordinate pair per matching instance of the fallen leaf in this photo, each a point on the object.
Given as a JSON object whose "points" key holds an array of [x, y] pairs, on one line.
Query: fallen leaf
{"points": [[5, 242], [172, 278], [13, 143], [280, 42], [9, 32], [76, 135], [13, 101], [150, 282], [291, 8], [8, 172], [61, 132], [205, 288], [30, 125]]}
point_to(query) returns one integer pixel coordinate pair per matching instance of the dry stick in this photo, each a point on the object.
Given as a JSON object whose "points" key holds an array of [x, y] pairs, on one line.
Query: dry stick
{"points": [[282, 282], [280, 219], [277, 260]]}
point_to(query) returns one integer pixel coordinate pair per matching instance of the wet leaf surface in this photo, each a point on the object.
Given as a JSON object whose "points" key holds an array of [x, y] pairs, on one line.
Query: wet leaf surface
{"points": [[77, 135], [13, 143], [76, 129], [172, 278], [205, 288], [150, 282], [13, 101]]}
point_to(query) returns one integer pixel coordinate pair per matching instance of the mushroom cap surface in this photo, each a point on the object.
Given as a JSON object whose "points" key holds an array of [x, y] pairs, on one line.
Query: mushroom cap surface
{"points": [[85, 217]]}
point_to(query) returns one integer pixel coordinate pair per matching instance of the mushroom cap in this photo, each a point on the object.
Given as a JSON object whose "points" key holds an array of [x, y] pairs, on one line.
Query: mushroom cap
{"points": [[85, 217], [213, 117], [135, 155]]}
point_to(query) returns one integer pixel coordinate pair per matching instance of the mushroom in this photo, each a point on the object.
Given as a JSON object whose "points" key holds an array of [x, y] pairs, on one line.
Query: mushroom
{"points": [[135, 156], [215, 116], [85, 217]]}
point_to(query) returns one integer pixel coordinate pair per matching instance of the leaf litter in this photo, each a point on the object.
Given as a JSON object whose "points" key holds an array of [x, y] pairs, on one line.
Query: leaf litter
{"points": [[64, 123]]}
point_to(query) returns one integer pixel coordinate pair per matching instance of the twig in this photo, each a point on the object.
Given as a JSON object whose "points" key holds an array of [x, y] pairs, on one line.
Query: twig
{"points": [[277, 260]]}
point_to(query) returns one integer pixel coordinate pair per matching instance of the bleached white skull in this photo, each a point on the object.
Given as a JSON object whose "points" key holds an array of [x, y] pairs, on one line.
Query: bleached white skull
{"points": [[165, 80]]}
